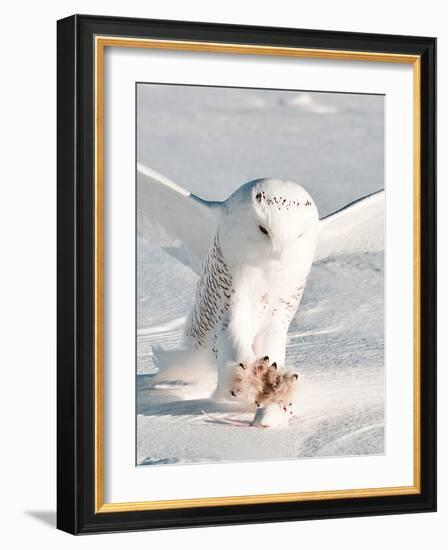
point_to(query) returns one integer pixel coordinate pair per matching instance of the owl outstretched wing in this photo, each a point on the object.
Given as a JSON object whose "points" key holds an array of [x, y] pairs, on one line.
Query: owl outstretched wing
{"points": [[181, 223], [358, 227]]}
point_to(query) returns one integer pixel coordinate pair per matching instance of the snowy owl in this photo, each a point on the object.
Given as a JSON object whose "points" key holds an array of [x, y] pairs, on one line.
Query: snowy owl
{"points": [[253, 253]]}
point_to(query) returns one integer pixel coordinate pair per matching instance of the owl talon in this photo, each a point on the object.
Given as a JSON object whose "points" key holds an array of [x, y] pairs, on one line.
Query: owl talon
{"points": [[262, 384], [247, 380]]}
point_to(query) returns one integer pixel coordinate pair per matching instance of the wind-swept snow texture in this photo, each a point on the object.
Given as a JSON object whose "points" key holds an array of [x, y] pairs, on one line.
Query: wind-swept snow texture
{"points": [[210, 141]]}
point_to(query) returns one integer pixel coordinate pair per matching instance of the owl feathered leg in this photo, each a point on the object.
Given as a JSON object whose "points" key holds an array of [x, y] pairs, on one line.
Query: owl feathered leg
{"points": [[257, 381]]}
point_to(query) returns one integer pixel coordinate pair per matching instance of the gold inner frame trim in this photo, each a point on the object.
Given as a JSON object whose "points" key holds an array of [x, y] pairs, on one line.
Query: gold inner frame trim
{"points": [[101, 42]]}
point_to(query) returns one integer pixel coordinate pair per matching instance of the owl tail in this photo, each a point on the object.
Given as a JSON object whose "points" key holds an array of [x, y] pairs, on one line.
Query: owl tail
{"points": [[185, 370]]}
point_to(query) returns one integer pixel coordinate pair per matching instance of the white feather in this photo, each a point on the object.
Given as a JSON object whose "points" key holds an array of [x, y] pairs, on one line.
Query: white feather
{"points": [[171, 217], [358, 227], [185, 371]]}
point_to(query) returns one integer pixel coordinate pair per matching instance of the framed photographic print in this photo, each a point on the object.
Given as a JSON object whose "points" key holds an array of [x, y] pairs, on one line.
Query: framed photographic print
{"points": [[246, 274]]}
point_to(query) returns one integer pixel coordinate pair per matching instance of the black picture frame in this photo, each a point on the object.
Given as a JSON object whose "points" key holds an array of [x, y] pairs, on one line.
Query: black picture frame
{"points": [[76, 511]]}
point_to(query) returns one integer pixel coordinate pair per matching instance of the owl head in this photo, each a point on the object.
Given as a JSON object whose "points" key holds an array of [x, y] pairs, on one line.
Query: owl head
{"points": [[272, 215]]}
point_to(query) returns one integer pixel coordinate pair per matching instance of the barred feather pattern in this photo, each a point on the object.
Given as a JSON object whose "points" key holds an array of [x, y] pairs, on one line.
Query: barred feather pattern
{"points": [[289, 306], [213, 296]]}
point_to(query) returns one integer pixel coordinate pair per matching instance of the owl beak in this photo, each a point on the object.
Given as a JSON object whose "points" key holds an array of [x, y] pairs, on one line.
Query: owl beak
{"points": [[278, 251]]}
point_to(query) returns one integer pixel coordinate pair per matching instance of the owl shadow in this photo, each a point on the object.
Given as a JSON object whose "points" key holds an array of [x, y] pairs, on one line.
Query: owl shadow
{"points": [[177, 398], [187, 407]]}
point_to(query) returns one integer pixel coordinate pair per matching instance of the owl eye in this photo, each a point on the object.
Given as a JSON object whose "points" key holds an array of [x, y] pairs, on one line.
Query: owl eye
{"points": [[263, 230]]}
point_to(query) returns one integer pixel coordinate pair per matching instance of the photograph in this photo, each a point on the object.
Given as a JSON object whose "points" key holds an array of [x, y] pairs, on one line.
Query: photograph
{"points": [[259, 274]]}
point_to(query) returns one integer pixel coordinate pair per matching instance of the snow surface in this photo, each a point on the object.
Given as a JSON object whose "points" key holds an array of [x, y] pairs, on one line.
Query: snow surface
{"points": [[210, 141]]}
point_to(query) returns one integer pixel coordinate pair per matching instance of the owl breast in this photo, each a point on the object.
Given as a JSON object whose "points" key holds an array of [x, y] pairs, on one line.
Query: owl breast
{"points": [[254, 291]]}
